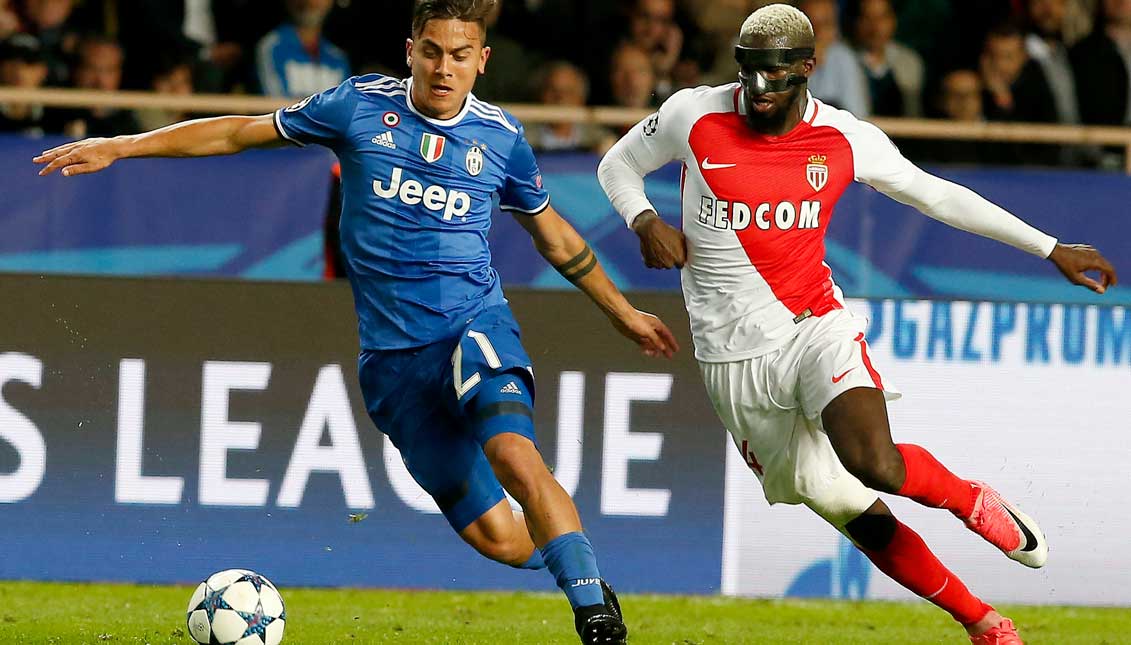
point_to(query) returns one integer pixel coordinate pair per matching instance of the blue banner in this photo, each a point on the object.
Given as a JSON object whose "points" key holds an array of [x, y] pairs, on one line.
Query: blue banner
{"points": [[259, 215], [157, 431]]}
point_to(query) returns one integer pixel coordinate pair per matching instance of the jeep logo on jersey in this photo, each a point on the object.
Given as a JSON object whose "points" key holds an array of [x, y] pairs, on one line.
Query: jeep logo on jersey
{"points": [[453, 203], [736, 216], [817, 172], [432, 147], [474, 161]]}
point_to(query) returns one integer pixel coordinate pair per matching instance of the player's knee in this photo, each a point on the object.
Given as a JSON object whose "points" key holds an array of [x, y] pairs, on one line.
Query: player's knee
{"points": [[880, 470], [873, 532], [518, 465], [838, 506], [507, 551]]}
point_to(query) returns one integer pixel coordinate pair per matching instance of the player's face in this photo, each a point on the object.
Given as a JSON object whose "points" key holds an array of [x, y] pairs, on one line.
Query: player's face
{"points": [[446, 57], [770, 110]]}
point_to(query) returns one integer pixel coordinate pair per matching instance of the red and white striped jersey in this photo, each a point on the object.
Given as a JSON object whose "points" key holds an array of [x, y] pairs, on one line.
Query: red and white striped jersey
{"points": [[756, 209]]}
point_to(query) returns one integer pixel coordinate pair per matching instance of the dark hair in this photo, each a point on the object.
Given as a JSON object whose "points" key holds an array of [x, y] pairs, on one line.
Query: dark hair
{"points": [[169, 61], [1007, 29], [94, 39], [465, 10]]}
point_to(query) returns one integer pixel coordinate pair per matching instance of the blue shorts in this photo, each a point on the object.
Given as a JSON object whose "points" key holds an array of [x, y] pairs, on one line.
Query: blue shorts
{"points": [[422, 399]]}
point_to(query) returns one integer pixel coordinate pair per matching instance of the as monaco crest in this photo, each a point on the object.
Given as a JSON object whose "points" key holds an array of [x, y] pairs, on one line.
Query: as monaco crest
{"points": [[817, 172], [432, 147]]}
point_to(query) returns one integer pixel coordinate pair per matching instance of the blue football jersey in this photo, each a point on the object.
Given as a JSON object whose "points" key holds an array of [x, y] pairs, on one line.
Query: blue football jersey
{"points": [[417, 200]]}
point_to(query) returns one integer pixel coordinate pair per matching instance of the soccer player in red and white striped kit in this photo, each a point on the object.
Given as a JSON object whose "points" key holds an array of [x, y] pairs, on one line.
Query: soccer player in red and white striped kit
{"points": [[784, 361]]}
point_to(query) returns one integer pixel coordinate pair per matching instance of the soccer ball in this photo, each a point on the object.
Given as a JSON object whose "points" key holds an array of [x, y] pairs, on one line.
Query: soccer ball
{"points": [[236, 607]]}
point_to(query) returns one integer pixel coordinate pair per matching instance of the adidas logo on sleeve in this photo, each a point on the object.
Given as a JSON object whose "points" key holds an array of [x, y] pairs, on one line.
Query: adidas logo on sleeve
{"points": [[385, 140]]}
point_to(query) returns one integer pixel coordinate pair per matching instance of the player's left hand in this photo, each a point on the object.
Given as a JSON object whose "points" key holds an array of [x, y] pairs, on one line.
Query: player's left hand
{"points": [[1076, 260], [649, 332]]}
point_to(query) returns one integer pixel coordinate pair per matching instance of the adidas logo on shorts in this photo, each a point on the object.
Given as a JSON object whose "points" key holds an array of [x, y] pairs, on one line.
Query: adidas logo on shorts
{"points": [[510, 388], [385, 140]]}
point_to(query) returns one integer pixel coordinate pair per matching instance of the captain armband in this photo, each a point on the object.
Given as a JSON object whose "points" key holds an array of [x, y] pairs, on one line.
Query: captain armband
{"points": [[579, 266]]}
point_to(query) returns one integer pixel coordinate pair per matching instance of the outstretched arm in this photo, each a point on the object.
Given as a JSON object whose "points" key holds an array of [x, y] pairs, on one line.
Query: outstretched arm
{"points": [[964, 209], [199, 138], [889, 172], [567, 251]]}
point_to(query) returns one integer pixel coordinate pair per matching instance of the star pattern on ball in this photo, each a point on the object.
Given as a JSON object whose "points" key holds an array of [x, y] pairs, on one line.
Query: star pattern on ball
{"points": [[256, 581], [212, 602], [257, 623]]}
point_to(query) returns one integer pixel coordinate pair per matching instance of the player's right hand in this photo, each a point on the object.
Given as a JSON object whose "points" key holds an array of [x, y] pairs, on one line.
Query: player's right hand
{"points": [[649, 332], [662, 245], [79, 157]]}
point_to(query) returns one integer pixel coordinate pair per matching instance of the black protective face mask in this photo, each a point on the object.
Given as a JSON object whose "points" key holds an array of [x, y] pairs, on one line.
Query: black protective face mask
{"points": [[752, 63]]}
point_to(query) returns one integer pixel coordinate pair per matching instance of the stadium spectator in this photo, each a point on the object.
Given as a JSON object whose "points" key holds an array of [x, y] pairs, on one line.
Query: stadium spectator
{"points": [[838, 79], [220, 36], [50, 21], [920, 24], [1079, 20], [564, 84], [350, 27], [173, 75], [894, 71], [959, 99], [507, 77], [22, 64], [295, 59], [1045, 45], [632, 78], [9, 20], [99, 67], [961, 96], [652, 28], [1015, 87], [1102, 63]]}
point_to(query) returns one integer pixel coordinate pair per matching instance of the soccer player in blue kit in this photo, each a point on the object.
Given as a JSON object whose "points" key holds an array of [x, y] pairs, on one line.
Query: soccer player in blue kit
{"points": [[442, 368]]}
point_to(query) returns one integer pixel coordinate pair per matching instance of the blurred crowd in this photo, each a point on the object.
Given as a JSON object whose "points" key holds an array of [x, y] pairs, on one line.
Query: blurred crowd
{"points": [[1044, 61]]}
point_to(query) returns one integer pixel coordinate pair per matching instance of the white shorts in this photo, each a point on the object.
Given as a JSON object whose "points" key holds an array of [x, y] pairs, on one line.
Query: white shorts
{"points": [[772, 405]]}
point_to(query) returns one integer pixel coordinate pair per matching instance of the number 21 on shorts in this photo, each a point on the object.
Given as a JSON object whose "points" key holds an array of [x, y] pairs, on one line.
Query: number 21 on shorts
{"points": [[464, 386]]}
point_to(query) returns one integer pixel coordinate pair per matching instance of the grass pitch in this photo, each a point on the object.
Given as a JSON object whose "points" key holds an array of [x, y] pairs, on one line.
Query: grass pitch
{"points": [[80, 614]]}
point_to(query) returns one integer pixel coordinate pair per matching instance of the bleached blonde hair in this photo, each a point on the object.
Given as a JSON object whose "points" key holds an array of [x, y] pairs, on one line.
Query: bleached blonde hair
{"points": [[782, 24]]}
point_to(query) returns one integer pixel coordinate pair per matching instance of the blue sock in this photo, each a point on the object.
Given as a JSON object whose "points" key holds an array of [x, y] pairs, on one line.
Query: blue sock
{"points": [[571, 560], [534, 563]]}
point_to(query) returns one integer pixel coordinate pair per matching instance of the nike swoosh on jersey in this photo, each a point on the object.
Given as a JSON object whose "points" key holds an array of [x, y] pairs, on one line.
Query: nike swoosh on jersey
{"points": [[707, 165], [1030, 539], [838, 379]]}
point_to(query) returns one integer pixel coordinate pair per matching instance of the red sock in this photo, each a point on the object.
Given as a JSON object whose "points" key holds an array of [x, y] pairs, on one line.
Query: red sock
{"points": [[931, 484], [908, 561]]}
